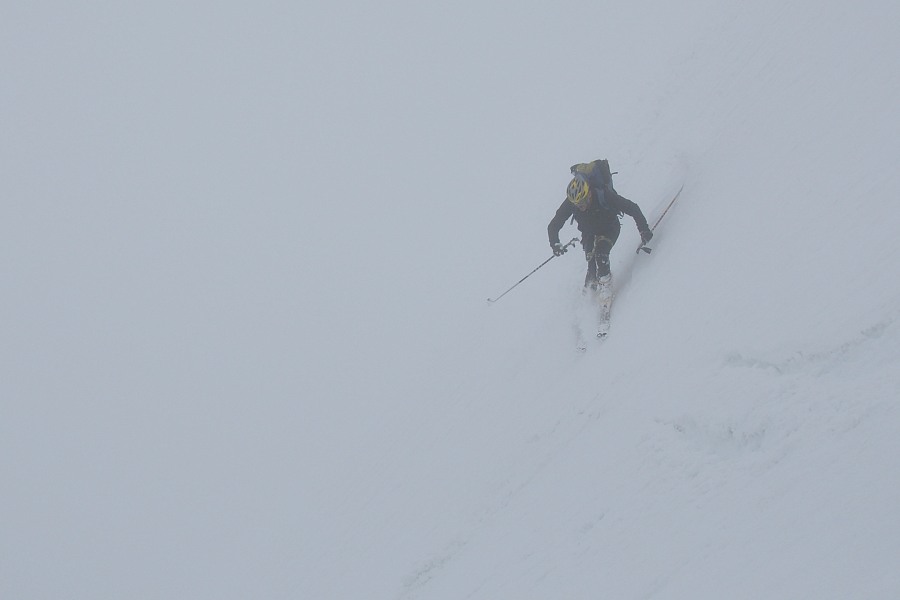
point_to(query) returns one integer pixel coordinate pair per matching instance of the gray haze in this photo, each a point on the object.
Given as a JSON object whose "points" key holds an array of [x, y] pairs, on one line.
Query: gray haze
{"points": [[244, 251]]}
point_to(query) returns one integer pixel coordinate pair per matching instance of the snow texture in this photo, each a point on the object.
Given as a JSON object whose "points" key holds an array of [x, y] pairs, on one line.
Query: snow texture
{"points": [[245, 347]]}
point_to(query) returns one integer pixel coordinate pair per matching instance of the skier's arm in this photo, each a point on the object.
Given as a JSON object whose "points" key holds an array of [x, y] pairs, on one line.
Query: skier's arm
{"points": [[562, 213], [631, 209]]}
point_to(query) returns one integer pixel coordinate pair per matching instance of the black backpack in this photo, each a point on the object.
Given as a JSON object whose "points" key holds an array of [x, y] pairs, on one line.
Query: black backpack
{"points": [[596, 173]]}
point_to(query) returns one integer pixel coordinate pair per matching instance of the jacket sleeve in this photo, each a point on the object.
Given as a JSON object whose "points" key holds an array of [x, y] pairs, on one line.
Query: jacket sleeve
{"points": [[631, 209], [559, 219]]}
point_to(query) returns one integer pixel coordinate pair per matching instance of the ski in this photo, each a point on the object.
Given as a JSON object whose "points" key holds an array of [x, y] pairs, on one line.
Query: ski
{"points": [[594, 313], [604, 298]]}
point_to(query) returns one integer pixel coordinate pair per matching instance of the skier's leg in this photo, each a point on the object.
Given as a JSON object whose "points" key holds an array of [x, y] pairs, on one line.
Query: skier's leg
{"points": [[602, 247], [588, 243]]}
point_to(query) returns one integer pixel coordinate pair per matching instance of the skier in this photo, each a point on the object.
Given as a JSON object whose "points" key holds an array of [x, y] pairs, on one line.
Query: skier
{"points": [[597, 208]]}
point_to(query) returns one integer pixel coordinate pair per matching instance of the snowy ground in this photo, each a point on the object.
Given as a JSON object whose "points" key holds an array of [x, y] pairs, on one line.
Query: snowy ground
{"points": [[246, 352]]}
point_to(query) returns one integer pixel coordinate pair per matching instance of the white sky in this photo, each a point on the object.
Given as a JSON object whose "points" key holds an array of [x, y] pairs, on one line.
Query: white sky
{"points": [[245, 249]]}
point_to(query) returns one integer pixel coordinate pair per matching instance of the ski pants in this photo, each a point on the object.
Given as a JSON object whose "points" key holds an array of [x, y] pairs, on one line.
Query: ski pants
{"points": [[596, 250]]}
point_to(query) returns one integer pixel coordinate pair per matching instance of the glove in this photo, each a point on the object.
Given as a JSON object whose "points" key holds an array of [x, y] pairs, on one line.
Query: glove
{"points": [[646, 236], [558, 249]]}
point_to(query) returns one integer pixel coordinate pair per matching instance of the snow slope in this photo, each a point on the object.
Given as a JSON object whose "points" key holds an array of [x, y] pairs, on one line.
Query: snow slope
{"points": [[228, 373]]}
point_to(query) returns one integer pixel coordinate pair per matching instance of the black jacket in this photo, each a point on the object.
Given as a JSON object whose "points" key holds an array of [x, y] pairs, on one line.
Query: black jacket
{"points": [[600, 218]]}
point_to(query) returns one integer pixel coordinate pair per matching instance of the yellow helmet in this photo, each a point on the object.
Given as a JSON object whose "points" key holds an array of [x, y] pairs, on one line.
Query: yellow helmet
{"points": [[579, 193]]}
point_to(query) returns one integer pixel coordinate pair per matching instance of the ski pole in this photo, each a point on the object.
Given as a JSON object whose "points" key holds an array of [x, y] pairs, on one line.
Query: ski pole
{"points": [[644, 247], [492, 300]]}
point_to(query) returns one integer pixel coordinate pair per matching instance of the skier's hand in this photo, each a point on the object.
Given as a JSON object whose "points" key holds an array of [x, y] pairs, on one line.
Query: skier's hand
{"points": [[558, 249], [646, 236]]}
